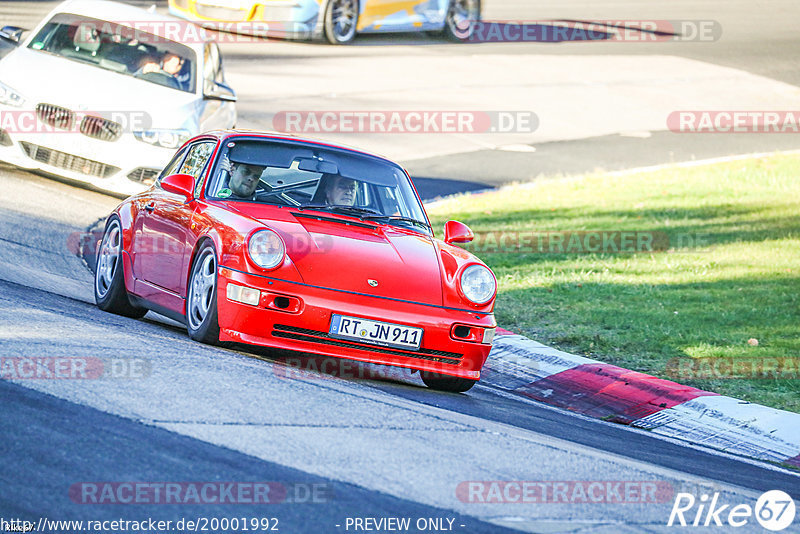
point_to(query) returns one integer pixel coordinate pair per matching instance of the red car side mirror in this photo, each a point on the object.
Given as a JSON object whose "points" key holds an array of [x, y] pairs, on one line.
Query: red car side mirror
{"points": [[180, 184], [457, 232]]}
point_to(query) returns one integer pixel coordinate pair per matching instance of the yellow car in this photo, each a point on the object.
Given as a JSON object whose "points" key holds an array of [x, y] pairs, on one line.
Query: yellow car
{"points": [[338, 21]]}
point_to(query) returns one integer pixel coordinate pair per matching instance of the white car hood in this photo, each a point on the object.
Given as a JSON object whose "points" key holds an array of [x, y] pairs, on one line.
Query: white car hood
{"points": [[43, 77]]}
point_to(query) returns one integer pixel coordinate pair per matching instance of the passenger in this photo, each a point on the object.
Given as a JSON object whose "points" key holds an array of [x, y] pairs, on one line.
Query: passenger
{"points": [[87, 39], [340, 191]]}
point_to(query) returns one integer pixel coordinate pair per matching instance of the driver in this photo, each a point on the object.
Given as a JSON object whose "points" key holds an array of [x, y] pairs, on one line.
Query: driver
{"points": [[341, 191], [172, 64], [147, 64], [168, 65], [244, 179]]}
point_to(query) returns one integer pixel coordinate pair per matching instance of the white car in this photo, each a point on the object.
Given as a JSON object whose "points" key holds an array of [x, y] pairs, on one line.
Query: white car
{"points": [[99, 92]]}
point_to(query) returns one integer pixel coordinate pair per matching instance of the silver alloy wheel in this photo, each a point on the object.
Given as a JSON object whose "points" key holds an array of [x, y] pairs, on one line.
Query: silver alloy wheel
{"points": [[203, 285], [344, 15], [108, 259], [462, 16]]}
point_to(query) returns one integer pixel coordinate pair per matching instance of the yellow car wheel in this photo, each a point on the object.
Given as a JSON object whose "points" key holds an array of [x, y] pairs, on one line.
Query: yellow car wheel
{"points": [[461, 19], [341, 18]]}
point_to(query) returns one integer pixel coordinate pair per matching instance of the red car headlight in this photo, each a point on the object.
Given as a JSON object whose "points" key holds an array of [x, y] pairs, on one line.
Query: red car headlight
{"points": [[477, 284], [266, 249]]}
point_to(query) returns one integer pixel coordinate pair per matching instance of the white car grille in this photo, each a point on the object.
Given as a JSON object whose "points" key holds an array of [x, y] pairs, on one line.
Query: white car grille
{"points": [[90, 126], [62, 160], [56, 116], [143, 175], [100, 128]]}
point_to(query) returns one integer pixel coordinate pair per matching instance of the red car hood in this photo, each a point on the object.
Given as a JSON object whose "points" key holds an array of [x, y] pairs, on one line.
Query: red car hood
{"points": [[331, 254]]}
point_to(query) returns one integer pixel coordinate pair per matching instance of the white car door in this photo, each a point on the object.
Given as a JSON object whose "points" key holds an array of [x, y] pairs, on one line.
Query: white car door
{"points": [[218, 110]]}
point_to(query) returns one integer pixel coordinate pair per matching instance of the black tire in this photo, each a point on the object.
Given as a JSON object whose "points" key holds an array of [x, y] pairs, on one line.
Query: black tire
{"points": [[447, 383], [341, 20], [109, 275], [201, 299], [460, 21]]}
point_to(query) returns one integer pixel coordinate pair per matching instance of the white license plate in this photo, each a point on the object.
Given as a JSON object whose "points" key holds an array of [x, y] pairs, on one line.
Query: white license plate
{"points": [[375, 332]]}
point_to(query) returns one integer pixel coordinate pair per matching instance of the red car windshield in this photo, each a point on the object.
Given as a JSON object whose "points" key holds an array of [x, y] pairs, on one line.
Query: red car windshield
{"points": [[308, 177]]}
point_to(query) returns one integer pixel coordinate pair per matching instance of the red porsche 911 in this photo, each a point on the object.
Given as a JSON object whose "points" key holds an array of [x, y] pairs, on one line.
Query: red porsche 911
{"points": [[288, 243]]}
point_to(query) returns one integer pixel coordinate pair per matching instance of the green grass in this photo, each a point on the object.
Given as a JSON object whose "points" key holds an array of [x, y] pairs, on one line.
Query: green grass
{"points": [[643, 310]]}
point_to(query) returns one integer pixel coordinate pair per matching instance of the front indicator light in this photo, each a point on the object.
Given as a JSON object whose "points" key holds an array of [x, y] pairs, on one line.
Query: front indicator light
{"points": [[472, 334], [245, 295], [488, 336]]}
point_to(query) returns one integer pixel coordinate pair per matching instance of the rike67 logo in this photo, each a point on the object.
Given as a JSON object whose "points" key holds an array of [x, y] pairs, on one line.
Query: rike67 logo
{"points": [[774, 510]]}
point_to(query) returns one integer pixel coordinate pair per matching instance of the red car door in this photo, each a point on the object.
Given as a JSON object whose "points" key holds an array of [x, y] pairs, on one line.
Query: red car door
{"points": [[163, 234]]}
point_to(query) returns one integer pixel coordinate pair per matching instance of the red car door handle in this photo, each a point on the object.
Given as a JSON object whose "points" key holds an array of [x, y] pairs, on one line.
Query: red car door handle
{"points": [[150, 207]]}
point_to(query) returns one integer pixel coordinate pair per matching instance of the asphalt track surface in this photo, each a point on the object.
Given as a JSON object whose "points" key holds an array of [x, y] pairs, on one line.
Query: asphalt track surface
{"points": [[378, 448], [375, 448]]}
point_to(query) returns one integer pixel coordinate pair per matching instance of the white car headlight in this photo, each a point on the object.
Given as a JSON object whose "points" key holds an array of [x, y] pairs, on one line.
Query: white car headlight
{"points": [[266, 249], [478, 284], [10, 97], [163, 138]]}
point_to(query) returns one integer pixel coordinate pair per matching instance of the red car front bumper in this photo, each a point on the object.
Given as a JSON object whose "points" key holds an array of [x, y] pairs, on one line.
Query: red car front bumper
{"points": [[301, 321]]}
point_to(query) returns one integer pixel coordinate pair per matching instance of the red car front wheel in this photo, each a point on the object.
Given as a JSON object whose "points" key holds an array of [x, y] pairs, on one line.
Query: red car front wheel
{"points": [[201, 305], [447, 383]]}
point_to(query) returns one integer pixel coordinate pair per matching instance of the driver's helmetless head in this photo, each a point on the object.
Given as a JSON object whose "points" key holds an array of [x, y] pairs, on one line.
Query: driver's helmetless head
{"points": [[172, 63], [244, 179], [341, 191]]}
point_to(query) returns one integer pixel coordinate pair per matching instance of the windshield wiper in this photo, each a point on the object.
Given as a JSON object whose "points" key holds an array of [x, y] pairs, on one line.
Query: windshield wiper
{"points": [[361, 213], [365, 214], [396, 218]]}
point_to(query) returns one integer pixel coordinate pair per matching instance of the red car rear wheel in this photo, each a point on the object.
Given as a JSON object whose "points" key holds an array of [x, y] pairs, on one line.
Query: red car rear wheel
{"points": [[109, 275]]}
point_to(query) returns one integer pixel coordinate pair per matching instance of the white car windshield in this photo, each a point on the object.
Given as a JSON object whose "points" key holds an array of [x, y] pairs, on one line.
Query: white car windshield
{"points": [[120, 49], [319, 178]]}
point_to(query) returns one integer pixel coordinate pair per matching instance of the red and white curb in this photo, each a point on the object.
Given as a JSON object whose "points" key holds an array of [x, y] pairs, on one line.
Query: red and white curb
{"points": [[525, 367]]}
